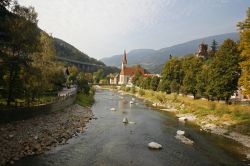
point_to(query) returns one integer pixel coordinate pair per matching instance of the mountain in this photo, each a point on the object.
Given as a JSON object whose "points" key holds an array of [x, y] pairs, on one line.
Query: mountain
{"points": [[65, 50], [153, 60]]}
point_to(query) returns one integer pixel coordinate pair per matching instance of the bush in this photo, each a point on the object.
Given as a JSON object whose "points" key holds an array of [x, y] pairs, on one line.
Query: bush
{"points": [[127, 89], [141, 92], [123, 87], [132, 90]]}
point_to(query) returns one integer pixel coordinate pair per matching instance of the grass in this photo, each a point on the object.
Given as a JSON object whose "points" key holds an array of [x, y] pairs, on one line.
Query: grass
{"points": [[85, 100]]}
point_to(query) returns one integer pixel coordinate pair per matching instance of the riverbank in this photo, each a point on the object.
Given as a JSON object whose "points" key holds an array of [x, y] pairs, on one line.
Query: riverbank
{"points": [[231, 121], [39, 134]]}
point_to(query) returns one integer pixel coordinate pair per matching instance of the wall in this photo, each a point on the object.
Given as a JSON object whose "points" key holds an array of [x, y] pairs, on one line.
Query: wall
{"points": [[8, 114]]}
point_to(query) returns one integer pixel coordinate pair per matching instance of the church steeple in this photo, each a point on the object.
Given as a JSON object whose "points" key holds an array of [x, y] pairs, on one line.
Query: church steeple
{"points": [[124, 60]]}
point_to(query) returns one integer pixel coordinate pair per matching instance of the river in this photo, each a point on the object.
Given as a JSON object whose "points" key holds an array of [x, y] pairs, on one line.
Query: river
{"points": [[107, 141]]}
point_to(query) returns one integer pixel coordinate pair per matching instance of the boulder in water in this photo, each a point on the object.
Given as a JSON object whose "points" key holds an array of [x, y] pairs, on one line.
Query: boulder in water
{"points": [[131, 102], [180, 132], [112, 109], [154, 145], [183, 119], [184, 139], [125, 120]]}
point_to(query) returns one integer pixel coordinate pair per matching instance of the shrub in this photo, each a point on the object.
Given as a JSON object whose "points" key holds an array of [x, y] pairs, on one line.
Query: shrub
{"points": [[127, 89], [141, 92], [132, 90]]}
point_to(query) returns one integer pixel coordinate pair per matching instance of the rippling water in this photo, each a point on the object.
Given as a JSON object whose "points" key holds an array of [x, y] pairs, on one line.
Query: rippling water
{"points": [[107, 141]]}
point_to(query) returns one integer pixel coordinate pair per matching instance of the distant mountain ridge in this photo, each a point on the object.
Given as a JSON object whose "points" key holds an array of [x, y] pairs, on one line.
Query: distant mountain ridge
{"points": [[153, 60], [66, 50]]}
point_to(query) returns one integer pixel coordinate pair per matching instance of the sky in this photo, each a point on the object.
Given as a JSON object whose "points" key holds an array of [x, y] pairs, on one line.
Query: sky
{"points": [[102, 28]]}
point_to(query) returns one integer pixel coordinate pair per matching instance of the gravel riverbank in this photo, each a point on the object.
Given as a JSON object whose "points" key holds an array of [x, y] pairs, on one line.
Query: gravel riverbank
{"points": [[39, 134]]}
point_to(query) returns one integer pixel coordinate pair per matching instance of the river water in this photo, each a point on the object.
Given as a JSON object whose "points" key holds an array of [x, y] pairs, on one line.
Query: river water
{"points": [[107, 141]]}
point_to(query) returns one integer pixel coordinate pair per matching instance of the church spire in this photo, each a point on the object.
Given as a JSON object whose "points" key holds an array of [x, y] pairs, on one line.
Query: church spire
{"points": [[124, 58]]}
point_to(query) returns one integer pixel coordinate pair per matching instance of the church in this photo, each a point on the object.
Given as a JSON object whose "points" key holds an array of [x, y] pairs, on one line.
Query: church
{"points": [[126, 73]]}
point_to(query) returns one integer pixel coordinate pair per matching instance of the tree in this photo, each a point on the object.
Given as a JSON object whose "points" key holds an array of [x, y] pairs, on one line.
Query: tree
{"points": [[154, 83], [98, 75], [224, 71], [202, 81], [172, 73], [191, 66], [244, 46], [20, 42], [214, 46], [48, 69], [4, 4], [82, 83], [136, 78]]}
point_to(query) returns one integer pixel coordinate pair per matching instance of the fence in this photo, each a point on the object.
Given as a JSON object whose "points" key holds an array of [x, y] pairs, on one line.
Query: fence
{"points": [[14, 113]]}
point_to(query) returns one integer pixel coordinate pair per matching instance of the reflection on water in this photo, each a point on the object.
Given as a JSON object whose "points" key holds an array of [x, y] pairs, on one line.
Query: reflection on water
{"points": [[107, 141]]}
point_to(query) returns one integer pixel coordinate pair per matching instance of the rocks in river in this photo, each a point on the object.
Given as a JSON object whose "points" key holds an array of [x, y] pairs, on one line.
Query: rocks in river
{"points": [[125, 120], [180, 132], [186, 117], [182, 119], [184, 139], [131, 102], [154, 145], [180, 136], [133, 99], [132, 122], [169, 110], [112, 109], [11, 135]]}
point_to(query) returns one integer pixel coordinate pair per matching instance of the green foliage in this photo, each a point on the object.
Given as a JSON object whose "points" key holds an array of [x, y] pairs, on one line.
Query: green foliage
{"points": [[154, 83], [132, 90], [82, 83], [191, 67], [85, 100], [172, 75], [28, 66], [17, 49], [98, 75], [127, 89], [214, 46], [141, 92], [244, 27], [214, 78], [68, 51], [224, 71]]}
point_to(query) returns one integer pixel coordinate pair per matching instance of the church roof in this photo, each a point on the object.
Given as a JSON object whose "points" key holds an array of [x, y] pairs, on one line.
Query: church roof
{"points": [[130, 71]]}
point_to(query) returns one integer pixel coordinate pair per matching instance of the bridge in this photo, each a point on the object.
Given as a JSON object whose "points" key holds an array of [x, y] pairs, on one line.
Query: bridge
{"points": [[85, 66]]}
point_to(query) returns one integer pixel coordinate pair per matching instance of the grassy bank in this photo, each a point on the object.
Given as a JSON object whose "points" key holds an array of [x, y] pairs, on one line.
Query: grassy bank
{"points": [[85, 100], [233, 117]]}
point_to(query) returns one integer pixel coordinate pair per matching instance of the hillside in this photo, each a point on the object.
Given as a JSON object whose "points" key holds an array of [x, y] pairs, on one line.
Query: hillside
{"points": [[153, 60], [65, 50]]}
